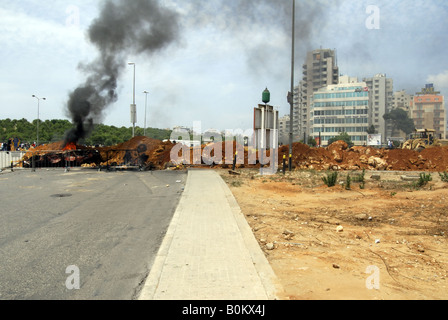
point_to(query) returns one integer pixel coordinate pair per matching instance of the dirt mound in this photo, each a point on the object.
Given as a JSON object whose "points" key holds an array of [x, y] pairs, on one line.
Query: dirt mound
{"points": [[339, 157], [155, 154], [138, 151]]}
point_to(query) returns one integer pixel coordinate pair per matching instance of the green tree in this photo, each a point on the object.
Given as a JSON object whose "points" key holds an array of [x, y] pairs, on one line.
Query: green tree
{"points": [[55, 130], [371, 129], [400, 120], [312, 142], [344, 136]]}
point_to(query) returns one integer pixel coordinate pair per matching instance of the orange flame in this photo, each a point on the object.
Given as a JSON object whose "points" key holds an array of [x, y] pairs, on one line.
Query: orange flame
{"points": [[70, 147]]}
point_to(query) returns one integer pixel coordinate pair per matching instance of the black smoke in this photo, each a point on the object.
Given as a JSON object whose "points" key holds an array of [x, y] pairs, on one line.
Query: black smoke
{"points": [[123, 28], [237, 16]]}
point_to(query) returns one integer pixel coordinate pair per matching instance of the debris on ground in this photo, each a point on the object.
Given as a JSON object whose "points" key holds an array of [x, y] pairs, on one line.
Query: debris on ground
{"points": [[156, 154], [392, 234]]}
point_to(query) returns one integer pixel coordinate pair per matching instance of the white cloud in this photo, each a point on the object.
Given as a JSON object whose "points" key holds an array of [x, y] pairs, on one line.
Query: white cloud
{"points": [[440, 81], [219, 70]]}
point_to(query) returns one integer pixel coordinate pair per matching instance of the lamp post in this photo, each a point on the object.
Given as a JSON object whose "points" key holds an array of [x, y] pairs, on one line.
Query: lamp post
{"points": [[133, 106], [38, 116], [291, 96], [146, 107]]}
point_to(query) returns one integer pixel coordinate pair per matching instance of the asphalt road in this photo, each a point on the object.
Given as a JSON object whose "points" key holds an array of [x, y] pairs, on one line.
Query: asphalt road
{"points": [[99, 229]]}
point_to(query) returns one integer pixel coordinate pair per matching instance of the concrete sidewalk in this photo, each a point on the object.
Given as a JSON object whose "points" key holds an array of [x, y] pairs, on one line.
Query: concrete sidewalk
{"points": [[209, 251]]}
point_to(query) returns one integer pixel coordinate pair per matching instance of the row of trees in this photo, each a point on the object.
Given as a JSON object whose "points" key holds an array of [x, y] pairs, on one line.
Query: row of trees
{"points": [[55, 130]]}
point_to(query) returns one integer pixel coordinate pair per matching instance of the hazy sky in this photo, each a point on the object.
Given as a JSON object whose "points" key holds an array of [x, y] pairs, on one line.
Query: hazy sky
{"points": [[224, 54]]}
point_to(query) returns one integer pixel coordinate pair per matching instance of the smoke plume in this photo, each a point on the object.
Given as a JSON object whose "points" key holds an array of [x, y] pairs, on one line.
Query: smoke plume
{"points": [[269, 17], [122, 28]]}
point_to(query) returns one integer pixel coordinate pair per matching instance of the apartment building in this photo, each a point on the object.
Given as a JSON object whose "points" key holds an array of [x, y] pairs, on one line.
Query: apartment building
{"points": [[381, 93], [429, 112], [341, 108], [283, 130], [319, 70]]}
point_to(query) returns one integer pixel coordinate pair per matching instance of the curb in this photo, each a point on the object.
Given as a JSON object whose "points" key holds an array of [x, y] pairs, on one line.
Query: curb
{"points": [[152, 282], [267, 276]]}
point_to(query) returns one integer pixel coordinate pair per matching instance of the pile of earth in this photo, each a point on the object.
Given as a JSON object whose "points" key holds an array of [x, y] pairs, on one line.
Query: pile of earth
{"points": [[338, 156], [57, 155], [221, 154], [139, 151], [156, 154]]}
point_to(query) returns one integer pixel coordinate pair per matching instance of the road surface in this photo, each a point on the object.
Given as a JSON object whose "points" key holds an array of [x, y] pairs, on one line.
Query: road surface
{"points": [[82, 234]]}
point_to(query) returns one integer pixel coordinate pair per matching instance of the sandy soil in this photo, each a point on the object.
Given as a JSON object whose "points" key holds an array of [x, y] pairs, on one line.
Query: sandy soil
{"points": [[387, 240]]}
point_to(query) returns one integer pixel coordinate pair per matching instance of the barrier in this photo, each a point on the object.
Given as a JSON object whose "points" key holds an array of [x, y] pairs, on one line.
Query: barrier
{"points": [[8, 157], [111, 159]]}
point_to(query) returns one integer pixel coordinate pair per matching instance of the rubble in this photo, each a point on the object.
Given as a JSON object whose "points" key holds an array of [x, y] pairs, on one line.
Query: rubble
{"points": [[155, 154], [339, 157], [139, 151]]}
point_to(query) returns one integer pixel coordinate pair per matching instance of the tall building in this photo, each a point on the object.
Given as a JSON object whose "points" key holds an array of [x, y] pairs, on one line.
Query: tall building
{"points": [[320, 70], [283, 130], [429, 111], [405, 101], [381, 91], [341, 108]]}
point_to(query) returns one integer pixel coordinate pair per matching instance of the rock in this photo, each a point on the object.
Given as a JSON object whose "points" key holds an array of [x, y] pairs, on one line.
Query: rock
{"points": [[362, 216], [336, 149], [288, 235], [336, 266], [377, 163], [364, 159], [409, 178], [270, 246], [340, 228]]}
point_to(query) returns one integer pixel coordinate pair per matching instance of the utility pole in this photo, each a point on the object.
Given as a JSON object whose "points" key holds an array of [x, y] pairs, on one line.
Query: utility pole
{"points": [[291, 95], [146, 107], [133, 106], [38, 116]]}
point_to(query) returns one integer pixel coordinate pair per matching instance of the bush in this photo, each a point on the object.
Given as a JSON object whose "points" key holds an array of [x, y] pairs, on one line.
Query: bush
{"points": [[443, 176], [331, 179], [423, 180], [360, 178], [344, 136], [348, 183]]}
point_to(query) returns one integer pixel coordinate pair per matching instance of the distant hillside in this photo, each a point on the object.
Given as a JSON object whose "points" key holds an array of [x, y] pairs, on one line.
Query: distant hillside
{"points": [[54, 130]]}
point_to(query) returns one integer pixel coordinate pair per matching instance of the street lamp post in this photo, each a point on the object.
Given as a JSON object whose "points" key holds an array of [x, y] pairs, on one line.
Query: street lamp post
{"points": [[38, 116], [134, 106], [146, 107], [291, 97]]}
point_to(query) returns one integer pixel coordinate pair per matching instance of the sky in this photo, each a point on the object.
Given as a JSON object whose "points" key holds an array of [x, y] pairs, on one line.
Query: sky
{"points": [[223, 55]]}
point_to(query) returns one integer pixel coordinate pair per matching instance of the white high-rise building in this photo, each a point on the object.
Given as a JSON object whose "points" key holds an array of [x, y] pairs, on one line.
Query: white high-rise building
{"points": [[341, 108], [381, 91], [283, 130], [319, 70]]}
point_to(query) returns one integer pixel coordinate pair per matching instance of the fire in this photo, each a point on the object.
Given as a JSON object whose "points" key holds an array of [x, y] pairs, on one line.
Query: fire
{"points": [[71, 146]]}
